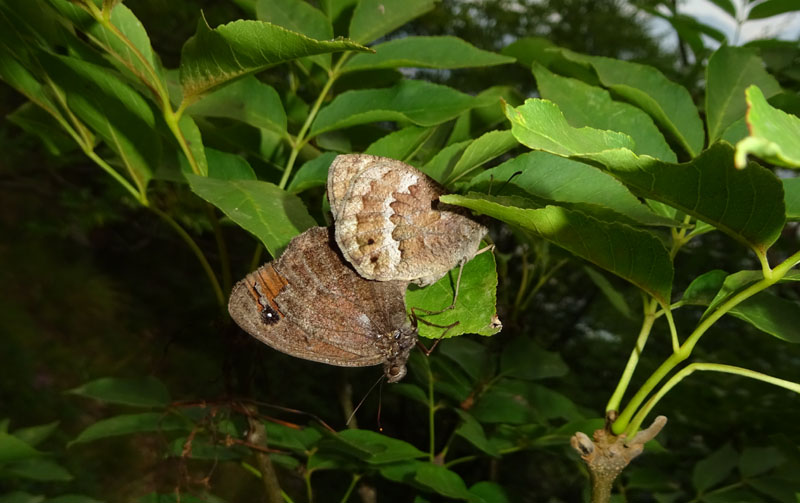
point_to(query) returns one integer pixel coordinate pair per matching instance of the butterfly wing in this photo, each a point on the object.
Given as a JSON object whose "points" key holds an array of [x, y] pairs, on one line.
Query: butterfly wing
{"points": [[390, 224], [311, 305]]}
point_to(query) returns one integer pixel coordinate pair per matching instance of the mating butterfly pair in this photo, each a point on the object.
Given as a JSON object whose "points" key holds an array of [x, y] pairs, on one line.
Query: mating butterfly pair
{"points": [[337, 296]]}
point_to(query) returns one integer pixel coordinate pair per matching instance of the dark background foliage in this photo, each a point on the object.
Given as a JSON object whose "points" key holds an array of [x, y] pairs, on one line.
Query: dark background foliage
{"points": [[92, 285]]}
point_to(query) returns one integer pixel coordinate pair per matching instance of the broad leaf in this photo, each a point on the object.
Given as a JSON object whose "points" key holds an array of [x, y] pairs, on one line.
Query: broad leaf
{"points": [[127, 43], [745, 204], [791, 190], [375, 448], [194, 140], [550, 178], [425, 52], [248, 100], [442, 163], [729, 72], [34, 435], [773, 133], [539, 124], [313, 173], [213, 57], [527, 50], [715, 468], [401, 144], [301, 17], [418, 102], [483, 149], [669, 104], [138, 392], [634, 255], [373, 19], [523, 358], [273, 215], [585, 105], [611, 293], [770, 8], [475, 307], [131, 423], [442, 481], [41, 469], [116, 112], [14, 449], [227, 166]]}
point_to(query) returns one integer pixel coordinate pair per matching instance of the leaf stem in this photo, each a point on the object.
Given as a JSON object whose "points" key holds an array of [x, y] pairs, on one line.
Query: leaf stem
{"points": [[353, 482], [431, 414], [649, 308], [197, 252], [622, 422], [640, 416], [300, 139]]}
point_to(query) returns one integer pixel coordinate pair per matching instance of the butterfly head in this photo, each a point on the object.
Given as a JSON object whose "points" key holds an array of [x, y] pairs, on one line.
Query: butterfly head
{"points": [[402, 341]]}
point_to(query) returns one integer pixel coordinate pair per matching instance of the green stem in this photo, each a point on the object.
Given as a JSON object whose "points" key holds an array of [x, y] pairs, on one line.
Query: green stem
{"points": [[353, 482], [641, 415], [621, 424], [309, 491], [523, 283], [300, 139], [139, 196], [222, 248], [633, 359], [673, 331], [197, 252], [431, 414]]}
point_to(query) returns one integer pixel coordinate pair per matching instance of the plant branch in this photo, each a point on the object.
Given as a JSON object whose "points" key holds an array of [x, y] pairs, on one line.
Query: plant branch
{"points": [[714, 367], [650, 306], [197, 252]]}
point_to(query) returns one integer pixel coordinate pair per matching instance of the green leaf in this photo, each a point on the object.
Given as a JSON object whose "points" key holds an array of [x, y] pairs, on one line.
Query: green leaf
{"points": [[131, 423], [480, 151], [729, 72], [522, 358], [373, 19], [469, 355], [38, 469], [441, 480], [116, 112], [138, 392], [527, 50], [418, 102], [38, 122], [34, 435], [272, 215], [539, 124], [375, 448], [773, 133], [512, 401], [746, 204], [179, 497], [585, 105], [203, 447], [669, 104], [550, 178], [490, 492], [248, 100], [472, 431], [401, 144], [127, 43], [313, 173], [194, 139], [791, 190], [227, 166], [411, 391], [611, 293], [702, 290], [771, 8], [297, 439], [758, 460], [726, 5], [634, 255], [715, 468], [20, 497], [14, 449], [213, 57], [445, 159], [475, 306], [425, 52], [300, 17]]}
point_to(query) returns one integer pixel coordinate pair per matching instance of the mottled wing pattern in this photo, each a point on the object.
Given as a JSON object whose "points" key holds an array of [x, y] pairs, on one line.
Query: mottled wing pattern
{"points": [[390, 224], [311, 305]]}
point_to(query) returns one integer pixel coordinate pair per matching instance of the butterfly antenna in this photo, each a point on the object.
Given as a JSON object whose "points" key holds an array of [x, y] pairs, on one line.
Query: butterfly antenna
{"points": [[380, 405], [352, 414]]}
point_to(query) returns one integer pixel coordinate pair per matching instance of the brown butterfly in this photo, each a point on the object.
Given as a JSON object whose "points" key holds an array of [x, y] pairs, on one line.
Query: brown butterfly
{"points": [[390, 224], [311, 304]]}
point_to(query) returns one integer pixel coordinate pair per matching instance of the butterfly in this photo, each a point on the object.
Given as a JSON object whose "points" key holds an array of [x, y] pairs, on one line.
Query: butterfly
{"points": [[390, 224], [311, 304]]}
